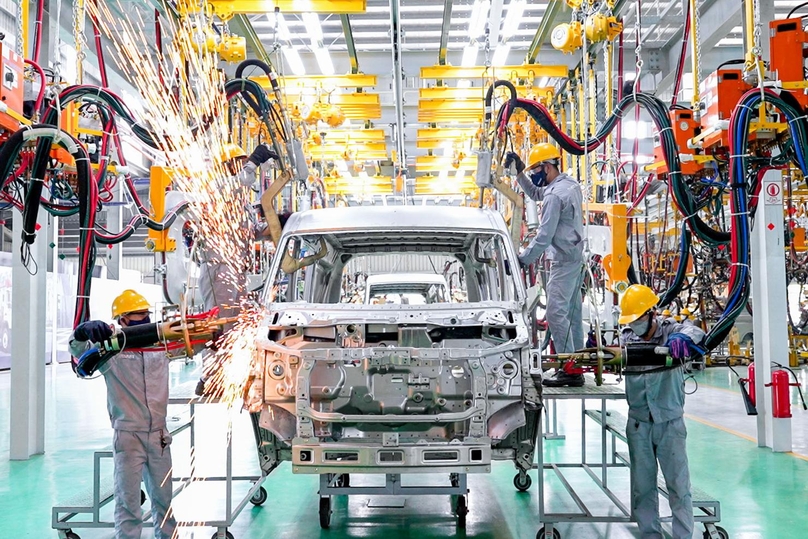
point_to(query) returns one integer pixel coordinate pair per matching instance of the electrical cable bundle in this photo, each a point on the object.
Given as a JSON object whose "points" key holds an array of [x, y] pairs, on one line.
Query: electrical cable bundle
{"points": [[739, 127]]}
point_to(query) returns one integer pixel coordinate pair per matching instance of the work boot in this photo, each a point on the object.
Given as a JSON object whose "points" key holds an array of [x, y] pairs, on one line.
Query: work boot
{"points": [[562, 378]]}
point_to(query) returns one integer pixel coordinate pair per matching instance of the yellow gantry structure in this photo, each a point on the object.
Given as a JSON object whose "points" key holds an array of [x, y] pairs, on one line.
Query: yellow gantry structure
{"points": [[226, 9]]}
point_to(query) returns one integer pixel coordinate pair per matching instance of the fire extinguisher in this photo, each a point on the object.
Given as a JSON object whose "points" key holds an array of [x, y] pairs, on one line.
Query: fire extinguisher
{"points": [[749, 398], [781, 394]]}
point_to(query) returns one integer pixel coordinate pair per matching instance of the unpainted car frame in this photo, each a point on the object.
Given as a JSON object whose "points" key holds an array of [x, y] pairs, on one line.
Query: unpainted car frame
{"points": [[342, 388]]}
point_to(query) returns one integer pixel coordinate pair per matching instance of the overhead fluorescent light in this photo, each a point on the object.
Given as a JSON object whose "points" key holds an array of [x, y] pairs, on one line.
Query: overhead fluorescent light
{"points": [[313, 28], [544, 81], [479, 16], [324, 60], [470, 55], [294, 61], [464, 83], [283, 33], [501, 55], [515, 10]]}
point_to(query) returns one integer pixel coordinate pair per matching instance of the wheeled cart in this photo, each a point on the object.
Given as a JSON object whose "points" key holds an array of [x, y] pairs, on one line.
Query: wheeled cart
{"points": [[707, 511], [340, 485], [64, 516]]}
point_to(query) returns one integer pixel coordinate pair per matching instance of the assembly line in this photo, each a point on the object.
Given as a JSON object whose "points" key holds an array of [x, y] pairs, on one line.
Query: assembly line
{"points": [[365, 268]]}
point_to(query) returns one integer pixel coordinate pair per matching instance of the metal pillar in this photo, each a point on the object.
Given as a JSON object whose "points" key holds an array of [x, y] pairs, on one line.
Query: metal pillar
{"points": [[28, 297], [398, 93], [115, 222], [768, 299]]}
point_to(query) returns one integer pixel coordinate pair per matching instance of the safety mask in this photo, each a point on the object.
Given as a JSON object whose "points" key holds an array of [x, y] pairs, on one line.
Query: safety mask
{"points": [[130, 322], [641, 327], [539, 177]]}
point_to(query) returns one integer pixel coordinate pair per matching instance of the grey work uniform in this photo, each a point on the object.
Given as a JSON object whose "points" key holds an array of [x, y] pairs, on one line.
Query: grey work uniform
{"points": [[560, 234], [656, 433], [137, 400]]}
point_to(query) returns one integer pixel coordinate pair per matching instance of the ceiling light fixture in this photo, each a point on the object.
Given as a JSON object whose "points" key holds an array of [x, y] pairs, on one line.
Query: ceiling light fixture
{"points": [[280, 26], [470, 55], [324, 60], [313, 28], [501, 55], [511, 24], [479, 17], [294, 61]]}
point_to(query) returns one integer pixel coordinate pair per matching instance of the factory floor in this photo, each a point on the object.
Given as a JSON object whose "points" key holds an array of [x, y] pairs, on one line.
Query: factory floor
{"points": [[763, 495]]}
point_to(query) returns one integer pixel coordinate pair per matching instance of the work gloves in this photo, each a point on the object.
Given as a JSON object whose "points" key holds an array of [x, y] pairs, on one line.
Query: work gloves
{"points": [[93, 330], [511, 158], [261, 155], [681, 346]]}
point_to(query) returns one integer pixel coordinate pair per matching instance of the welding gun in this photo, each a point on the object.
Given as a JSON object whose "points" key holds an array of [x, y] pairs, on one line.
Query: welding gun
{"points": [[146, 335], [630, 355]]}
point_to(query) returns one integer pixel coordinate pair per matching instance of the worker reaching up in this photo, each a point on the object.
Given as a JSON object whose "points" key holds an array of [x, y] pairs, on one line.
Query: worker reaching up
{"points": [[137, 400], [560, 234], [656, 428]]}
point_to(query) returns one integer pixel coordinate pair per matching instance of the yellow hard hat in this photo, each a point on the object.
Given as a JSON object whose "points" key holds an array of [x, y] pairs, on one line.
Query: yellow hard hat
{"points": [[666, 313], [231, 151], [685, 312], [129, 302], [543, 152], [637, 301]]}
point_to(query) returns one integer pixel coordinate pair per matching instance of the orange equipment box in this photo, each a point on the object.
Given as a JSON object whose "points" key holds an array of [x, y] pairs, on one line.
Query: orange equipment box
{"points": [[790, 42], [684, 129], [12, 87], [720, 91]]}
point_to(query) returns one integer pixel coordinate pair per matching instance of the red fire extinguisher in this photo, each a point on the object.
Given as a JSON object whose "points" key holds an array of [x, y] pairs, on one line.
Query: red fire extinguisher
{"points": [[749, 396], [750, 373], [781, 395]]}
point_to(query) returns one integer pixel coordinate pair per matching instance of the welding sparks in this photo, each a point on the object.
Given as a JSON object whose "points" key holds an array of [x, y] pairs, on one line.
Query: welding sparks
{"points": [[228, 369], [185, 108]]}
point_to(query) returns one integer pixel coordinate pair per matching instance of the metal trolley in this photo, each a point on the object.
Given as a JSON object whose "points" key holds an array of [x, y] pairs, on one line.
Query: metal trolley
{"points": [[63, 517], [708, 511]]}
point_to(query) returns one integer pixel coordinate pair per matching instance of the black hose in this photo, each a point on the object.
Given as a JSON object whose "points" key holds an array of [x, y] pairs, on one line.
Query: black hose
{"points": [[790, 13]]}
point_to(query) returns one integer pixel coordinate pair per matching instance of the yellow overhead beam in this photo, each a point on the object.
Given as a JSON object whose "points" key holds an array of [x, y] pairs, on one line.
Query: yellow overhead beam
{"points": [[438, 162], [441, 133], [450, 92], [323, 81], [531, 71], [225, 9], [343, 136], [437, 116], [339, 149]]}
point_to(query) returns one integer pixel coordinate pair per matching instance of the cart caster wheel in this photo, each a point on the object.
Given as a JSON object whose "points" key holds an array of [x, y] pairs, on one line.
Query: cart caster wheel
{"points": [[343, 481], [259, 497], [226, 534], [142, 497], [454, 479], [325, 512], [522, 482], [71, 535], [461, 511], [542, 531], [721, 533]]}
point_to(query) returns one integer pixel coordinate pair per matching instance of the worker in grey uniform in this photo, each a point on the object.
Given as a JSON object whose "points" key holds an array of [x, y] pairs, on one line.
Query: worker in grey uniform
{"points": [[656, 429], [560, 234], [137, 400]]}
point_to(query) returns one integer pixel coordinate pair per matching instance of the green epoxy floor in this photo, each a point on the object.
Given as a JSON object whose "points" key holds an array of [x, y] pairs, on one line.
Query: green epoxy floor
{"points": [[763, 495]]}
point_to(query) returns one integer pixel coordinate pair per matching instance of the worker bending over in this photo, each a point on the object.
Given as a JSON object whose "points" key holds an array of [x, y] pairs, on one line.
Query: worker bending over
{"points": [[560, 234], [656, 430], [137, 399]]}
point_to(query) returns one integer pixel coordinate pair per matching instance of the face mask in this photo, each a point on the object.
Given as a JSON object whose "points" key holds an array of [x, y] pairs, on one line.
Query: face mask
{"points": [[640, 327], [131, 323], [539, 178]]}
